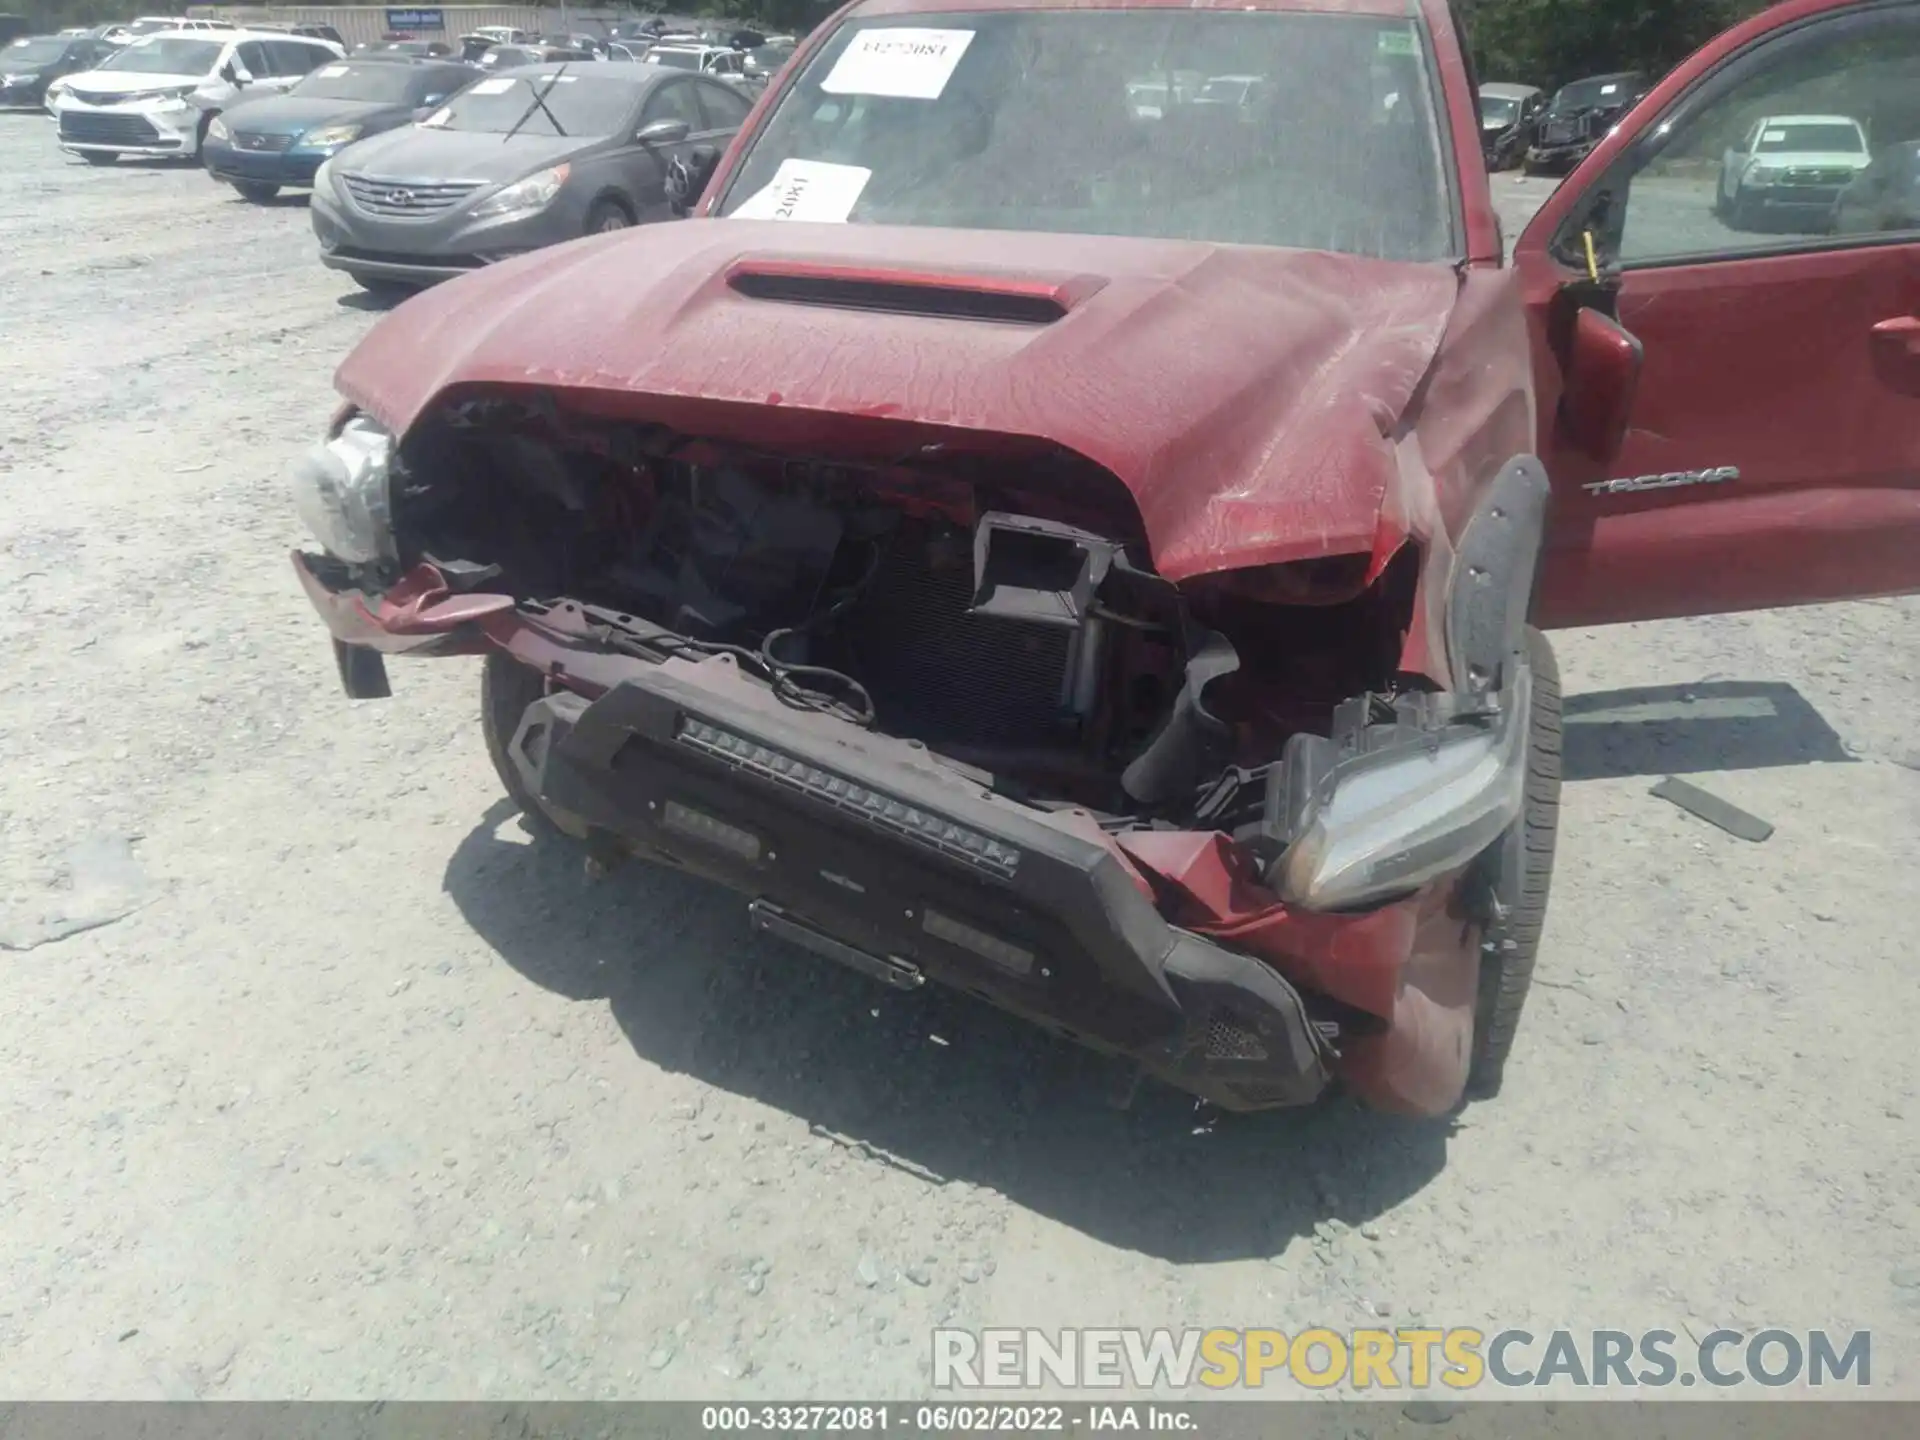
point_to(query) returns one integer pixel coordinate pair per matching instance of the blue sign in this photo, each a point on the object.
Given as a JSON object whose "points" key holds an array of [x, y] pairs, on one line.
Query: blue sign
{"points": [[416, 19]]}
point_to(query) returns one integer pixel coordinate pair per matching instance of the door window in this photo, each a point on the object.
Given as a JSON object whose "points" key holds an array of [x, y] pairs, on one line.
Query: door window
{"points": [[1772, 153], [673, 101], [254, 59], [725, 109]]}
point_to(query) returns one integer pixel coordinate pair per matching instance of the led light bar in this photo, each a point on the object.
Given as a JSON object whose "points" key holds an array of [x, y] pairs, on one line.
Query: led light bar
{"points": [[884, 812]]}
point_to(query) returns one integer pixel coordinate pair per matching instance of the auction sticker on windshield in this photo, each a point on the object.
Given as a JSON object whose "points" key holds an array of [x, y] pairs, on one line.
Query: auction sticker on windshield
{"points": [[494, 87], [899, 64], [807, 190], [332, 72]]}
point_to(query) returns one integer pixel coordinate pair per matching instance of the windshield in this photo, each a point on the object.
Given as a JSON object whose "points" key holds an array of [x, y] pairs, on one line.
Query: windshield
{"points": [[1835, 136], [33, 52], [584, 105], [770, 57], [675, 59], [1587, 94], [171, 56], [1496, 111], [347, 80], [1022, 120]]}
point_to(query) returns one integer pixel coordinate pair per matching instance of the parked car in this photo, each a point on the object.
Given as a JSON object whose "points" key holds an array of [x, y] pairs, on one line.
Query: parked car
{"points": [[1094, 564], [763, 62], [161, 24], [1509, 122], [718, 60], [1578, 118], [518, 57], [263, 145], [1789, 170], [33, 62], [513, 163], [1884, 198], [12, 27], [419, 49], [157, 95]]}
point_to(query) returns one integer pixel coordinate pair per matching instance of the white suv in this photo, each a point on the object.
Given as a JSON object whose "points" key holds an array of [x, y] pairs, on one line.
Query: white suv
{"points": [[707, 59], [157, 96], [1789, 169]]}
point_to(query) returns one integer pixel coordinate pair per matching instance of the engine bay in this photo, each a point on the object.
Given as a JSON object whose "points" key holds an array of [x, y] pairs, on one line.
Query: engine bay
{"points": [[1000, 609]]}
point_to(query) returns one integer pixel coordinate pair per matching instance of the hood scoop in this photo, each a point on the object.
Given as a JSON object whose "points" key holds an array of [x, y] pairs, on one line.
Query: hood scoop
{"points": [[1008, 299]]}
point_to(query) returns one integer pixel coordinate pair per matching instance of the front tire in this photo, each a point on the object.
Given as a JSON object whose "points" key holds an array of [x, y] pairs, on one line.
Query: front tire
{"points": [[607, 216], [257, 192], [1520, 873]]}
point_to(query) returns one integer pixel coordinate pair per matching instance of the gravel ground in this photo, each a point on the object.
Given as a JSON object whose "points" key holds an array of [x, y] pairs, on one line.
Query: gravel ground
{"points": [[318, 1077]]}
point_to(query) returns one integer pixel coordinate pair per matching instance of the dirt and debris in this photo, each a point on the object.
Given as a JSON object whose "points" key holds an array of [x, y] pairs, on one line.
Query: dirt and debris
{"points": [[222, 1116], [1741, 824]]}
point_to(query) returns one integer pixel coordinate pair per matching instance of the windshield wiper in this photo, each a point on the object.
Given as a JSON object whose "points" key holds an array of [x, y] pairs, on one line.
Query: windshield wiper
{"points": [[540, 103]]}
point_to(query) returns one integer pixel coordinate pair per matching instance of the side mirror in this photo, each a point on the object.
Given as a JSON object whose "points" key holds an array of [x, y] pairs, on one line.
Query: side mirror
{"points": [[663, 132], [233, 74], [1602, 379]]}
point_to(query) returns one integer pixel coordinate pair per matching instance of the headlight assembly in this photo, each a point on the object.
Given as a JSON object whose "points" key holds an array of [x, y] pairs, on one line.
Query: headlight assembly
{"points": [[217, 130], [340, 491], [536, 192], [328, 136], [1392, 819]]}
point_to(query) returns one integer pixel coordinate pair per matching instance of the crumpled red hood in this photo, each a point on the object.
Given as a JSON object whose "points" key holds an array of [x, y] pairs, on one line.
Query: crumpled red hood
{"points": [[1241, 394]]}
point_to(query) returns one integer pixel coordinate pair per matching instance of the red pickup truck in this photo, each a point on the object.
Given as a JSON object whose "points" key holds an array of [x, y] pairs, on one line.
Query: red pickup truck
{"points": [[1047, 529]]}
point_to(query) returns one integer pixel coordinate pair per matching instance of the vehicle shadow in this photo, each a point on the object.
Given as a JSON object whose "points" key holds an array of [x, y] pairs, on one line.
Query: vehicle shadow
{"points": [[367, 301], [935, 1083], [1687, 729]]}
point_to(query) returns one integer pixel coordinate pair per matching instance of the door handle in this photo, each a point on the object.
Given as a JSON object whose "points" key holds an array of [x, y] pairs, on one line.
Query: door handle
{"points": [[1896, 353]]}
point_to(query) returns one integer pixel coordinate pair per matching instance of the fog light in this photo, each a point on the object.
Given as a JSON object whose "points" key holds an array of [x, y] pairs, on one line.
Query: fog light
{"points": [[1005, 954], [721, 836]]}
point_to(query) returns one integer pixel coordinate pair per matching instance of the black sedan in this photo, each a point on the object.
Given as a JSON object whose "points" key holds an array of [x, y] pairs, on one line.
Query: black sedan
{"points": [[33, 62], [261, 145], [515, 162]]}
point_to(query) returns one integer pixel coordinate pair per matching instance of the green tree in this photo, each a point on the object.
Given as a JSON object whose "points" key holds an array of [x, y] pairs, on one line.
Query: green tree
{"points": [[1550, 42]]}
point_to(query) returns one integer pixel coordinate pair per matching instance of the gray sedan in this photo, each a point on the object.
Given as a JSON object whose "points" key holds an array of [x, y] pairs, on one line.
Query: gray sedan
{"points": [[515, 162]]}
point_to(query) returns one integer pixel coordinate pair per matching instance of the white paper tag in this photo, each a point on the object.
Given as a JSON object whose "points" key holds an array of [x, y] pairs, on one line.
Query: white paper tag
{"points": [[902, 64], [1773, 137], [332, 72], [807, 190], [1608, 89], [494, 87]]}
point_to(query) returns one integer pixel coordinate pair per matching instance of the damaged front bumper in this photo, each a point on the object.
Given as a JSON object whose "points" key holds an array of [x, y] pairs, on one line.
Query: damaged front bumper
{"points": [[1212, 968]]}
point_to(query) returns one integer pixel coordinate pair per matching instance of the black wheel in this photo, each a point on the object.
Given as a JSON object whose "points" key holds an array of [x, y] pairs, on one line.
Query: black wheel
{"points": [[100, 157], [257, 191], [394, 290], [507, 688], [1520, 872], [607, 215], [1742, 214]]}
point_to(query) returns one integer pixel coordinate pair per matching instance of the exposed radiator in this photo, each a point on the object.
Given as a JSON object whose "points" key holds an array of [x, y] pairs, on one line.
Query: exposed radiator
{"points": [[939, 674]]}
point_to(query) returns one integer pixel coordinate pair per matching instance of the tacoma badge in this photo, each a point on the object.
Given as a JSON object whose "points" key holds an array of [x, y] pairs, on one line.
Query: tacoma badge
{"points": [[1672, 480]]}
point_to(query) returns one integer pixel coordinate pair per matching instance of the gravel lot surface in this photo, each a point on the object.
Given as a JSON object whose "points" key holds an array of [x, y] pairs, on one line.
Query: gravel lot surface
{"points": [[318, 1077]]}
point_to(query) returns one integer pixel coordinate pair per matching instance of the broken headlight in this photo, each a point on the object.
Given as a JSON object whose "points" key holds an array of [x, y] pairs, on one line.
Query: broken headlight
{"points": [[1389, 820], [340, 491]]}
